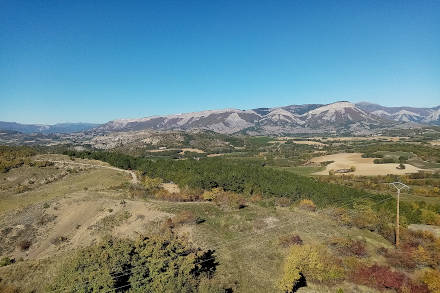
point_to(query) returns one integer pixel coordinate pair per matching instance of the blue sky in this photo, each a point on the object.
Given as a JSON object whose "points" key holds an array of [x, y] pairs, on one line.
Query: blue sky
{"points": [[95, 61]]}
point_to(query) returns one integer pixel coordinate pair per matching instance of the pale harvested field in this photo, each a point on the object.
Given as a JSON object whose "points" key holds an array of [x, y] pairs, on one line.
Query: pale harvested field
{"points": [[364, 166], [435, 142], [361, 138], [307, 142], [214, 155], [182, 150], [192, 150]]}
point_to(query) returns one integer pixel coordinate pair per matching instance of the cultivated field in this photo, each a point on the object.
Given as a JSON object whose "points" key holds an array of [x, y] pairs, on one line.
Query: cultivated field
{"points": [[364, 166]]}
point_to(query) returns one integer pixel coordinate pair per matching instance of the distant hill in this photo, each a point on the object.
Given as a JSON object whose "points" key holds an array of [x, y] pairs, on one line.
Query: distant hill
{"points": [[404, 114], [309, 118], [46, 129]]}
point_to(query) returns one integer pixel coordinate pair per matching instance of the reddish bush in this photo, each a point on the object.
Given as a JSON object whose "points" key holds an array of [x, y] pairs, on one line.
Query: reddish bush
{"points": [[382, 277], [230, 199], [284, 202], [288, 240], [401, 258], [349, 247], [256, 198], [185, 217], [24, 244]]}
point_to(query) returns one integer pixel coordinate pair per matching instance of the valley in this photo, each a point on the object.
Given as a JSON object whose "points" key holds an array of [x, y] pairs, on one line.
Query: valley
{"points": [[249, 200]]}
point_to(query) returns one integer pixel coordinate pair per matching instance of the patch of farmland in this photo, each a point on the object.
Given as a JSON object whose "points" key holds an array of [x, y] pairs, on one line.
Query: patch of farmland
{"points": [[364, 166]]}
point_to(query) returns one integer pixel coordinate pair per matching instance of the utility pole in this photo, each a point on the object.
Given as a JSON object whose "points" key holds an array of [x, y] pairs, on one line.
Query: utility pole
{"points": [[399, 186]]}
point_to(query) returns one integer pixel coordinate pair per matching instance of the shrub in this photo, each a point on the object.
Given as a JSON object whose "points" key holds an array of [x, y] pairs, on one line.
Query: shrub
{"points": [[432, 280], [382, 277], [430, 217], [24, 244], [289, 240], [340, 215], [211, 194], [230, 199], [5, 261], [284, 202], [402, 257], [364, 217], [185, 217], [307, 204], [58, 240], [152, 184], [160, 263], [349, 247], [311, 263], [256, 198]]}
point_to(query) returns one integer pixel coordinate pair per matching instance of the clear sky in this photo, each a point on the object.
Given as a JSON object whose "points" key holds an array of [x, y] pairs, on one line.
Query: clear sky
{"points": [[94, 61]]}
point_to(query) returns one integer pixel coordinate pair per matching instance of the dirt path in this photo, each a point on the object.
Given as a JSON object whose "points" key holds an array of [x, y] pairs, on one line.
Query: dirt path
{"points": [[134, 178]]}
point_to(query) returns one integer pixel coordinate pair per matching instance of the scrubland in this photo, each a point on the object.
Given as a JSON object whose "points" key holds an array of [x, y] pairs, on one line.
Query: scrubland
{"points": [[255, 219]]}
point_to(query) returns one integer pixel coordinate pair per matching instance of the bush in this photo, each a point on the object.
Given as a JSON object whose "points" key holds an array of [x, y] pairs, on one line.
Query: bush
{"points": [[24, 244], [349, 247], [430, 217], [382, 277], [160, 263], [283, 202], [307, 204], [230, 199], [432, 280], [152, 184], [340, 215], [5, 261], [289, 240], [185, 217], [364, 217], [311, 263]]}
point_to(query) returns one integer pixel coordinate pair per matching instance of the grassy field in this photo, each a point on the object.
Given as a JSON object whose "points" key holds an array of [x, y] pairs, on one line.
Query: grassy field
{"points": [[94, 179], [247, 241]]}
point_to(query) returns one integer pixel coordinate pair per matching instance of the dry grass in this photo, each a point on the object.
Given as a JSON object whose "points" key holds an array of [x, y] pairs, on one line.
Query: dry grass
{"points": [[364, 166], [93, 179]]}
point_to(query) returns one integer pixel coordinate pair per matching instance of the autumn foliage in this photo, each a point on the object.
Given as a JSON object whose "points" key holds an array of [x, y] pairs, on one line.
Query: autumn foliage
{"points": [[382, 277]]}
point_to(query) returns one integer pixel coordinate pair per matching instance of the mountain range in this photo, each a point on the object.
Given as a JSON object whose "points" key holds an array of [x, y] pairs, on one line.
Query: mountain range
{"points": [[338, 117], [46, 129]]}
